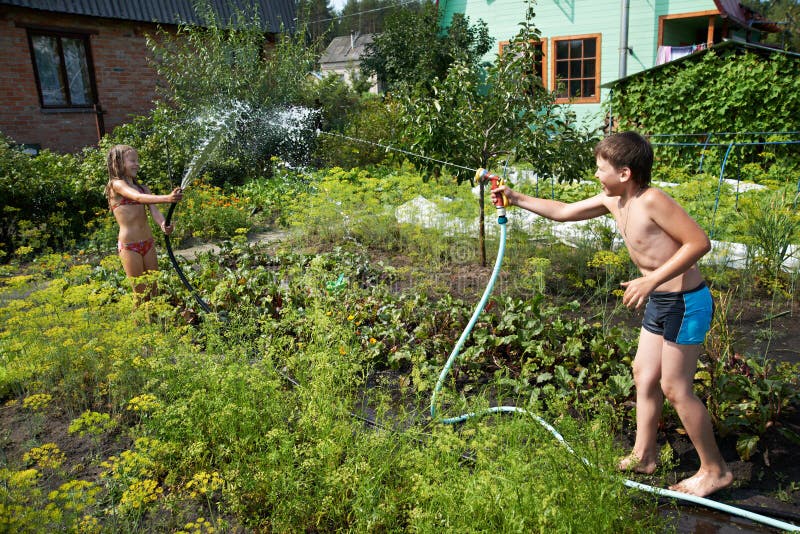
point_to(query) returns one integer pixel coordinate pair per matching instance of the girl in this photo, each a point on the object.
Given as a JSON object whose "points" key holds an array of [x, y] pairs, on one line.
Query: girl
{"points": [[127, 199]]}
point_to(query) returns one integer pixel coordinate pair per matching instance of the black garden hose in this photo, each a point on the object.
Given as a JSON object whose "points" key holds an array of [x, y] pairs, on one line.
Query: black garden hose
{"points": [[177, 267]]}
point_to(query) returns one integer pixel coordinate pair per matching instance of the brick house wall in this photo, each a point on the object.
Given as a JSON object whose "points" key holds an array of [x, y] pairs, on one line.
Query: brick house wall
{"points": [[125, 82]]}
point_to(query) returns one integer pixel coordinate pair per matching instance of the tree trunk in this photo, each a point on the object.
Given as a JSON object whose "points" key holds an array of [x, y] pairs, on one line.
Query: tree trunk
{"points": [[481, 225]]}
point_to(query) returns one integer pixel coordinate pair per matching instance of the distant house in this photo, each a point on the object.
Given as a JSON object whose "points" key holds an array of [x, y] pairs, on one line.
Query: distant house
{"points": [[343, 57], [586, 44], [71, 70]]}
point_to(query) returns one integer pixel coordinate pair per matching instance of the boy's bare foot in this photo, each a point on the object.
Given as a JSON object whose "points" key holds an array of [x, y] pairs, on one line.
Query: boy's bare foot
{"points": [[633, 463], [704, 483]]}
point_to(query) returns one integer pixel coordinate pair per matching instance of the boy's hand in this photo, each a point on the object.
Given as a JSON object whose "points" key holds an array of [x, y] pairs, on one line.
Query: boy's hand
{"points": [[637, 291], [502, 190]]}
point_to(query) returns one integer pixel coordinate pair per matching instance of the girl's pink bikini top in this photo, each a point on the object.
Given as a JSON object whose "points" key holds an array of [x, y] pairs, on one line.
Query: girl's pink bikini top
{"points": [[127, 201]]}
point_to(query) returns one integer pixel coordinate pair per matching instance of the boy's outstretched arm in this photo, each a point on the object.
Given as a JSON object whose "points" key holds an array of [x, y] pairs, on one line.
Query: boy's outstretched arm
{"points": [[693, 244], [553, 209]]}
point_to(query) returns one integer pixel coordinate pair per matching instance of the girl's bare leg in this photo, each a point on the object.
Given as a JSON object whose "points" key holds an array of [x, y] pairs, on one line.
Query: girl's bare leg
{"points": [[136, 265], [649, 402], [679, 365]]}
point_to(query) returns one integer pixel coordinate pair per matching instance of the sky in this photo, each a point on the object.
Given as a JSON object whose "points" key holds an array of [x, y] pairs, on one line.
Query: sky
{"points": [[337, 4]]}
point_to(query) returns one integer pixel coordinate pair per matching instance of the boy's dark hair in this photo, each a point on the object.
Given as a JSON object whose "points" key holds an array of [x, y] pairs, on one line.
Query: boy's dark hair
{"points": [[628, 149]]}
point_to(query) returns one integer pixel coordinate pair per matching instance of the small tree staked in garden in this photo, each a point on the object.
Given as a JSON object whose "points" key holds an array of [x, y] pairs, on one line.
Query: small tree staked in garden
{"points": [[482, 116]]}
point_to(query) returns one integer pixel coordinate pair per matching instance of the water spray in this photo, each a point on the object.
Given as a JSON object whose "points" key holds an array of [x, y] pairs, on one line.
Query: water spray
{"points": [[208, 147]]}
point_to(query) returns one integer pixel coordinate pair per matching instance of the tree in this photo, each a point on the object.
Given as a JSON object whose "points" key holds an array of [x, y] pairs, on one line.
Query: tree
{"points": [[318, 20], [368, 16], [784, 13], [211, 70], [478, 116], [413, 50]]}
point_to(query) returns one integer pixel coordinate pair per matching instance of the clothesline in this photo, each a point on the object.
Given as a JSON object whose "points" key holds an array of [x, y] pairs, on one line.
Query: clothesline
{"points": [[670, 53]]}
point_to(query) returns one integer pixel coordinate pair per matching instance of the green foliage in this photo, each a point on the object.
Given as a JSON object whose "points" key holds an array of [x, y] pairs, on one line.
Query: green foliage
{"points": [[264, 436], [772, 227], [481, 117], [46, 202], [369, 16], [209, 65], [724, 91], [258, 418], [746, 395], [413, 50]]}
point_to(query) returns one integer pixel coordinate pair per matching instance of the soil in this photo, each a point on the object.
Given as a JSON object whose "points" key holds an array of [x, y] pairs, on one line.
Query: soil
{"points": [[768, 484]]}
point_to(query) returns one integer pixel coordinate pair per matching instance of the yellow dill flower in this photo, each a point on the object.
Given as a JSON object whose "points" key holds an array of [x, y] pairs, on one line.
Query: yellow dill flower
{"points": [[37, 401], [204, 483], [198, 526], [143, 403], [75, 495], [140, 494], [91, 423], [48, 456]]}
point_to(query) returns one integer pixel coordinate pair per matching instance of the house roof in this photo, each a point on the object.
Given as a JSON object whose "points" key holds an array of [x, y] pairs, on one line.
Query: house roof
{"points": [[346, 49], [275, 15], [729, 43]]}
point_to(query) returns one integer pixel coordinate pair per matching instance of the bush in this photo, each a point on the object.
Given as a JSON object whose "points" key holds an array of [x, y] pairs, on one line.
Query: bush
{"points": [[46, 203]]}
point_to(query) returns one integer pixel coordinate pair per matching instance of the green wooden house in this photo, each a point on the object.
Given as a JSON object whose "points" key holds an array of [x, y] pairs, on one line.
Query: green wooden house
{"points": [[586, 44]]}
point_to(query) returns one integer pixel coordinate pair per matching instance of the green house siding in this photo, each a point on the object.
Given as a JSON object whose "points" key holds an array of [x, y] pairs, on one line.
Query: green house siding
{"points": [[565, 18]]}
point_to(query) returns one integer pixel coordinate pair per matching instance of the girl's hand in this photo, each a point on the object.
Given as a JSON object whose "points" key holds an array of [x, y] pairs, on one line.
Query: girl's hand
{"points": [[176, 195], [166, 228]]}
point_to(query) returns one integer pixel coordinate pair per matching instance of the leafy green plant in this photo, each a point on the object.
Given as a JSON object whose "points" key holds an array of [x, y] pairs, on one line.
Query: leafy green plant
{"points": [[745, 395], [772, 226], [764, 99]]}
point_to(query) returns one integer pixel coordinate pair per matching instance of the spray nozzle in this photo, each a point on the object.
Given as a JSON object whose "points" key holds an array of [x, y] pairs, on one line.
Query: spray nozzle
{"points": [[501, 201]]}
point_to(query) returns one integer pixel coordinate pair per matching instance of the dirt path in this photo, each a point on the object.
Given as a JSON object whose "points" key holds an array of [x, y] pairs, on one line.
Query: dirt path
{"points": [[270, 236]]}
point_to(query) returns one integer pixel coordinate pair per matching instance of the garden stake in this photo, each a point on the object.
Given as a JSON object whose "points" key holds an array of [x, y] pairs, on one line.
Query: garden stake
{"points": [[501, 204]]}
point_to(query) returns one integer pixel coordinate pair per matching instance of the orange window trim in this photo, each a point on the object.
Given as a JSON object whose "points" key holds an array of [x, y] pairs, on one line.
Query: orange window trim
{"points": [[711, 14], [543, 48], [554, 85]]}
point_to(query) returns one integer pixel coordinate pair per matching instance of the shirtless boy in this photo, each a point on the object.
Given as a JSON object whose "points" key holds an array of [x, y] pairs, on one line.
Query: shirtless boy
{"points": [[665, 243]]}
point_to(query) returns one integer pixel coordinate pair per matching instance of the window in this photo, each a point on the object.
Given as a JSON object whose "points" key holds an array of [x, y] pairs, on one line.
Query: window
{"points": [[538, 66], [62, 65], [576, 68]]}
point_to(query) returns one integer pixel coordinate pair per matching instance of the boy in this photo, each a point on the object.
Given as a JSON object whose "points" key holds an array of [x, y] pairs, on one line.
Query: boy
{"points": [[665, 243]]}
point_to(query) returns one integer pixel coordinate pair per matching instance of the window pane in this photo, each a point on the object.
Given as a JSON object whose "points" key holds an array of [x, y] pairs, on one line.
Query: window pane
{"points": [[575, 69], [576, 49], [562, 69], [80, 91], [48, 66], [588, 88], [588, 68], [590, 48], [562, 49], [575, 88]]}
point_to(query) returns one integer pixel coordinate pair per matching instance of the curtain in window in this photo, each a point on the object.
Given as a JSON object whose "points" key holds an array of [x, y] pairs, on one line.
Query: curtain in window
{"points": [[77, 72], [63, 70], [48, 65]]}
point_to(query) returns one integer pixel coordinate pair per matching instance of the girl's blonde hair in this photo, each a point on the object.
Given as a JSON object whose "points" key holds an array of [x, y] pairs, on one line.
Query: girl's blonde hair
{"points": [[115, 161]]}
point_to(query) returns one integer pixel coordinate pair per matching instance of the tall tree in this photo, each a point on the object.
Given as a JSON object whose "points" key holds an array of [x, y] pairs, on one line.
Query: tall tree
{"points": [[318, 19], [368, 16], [412, 49]]}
